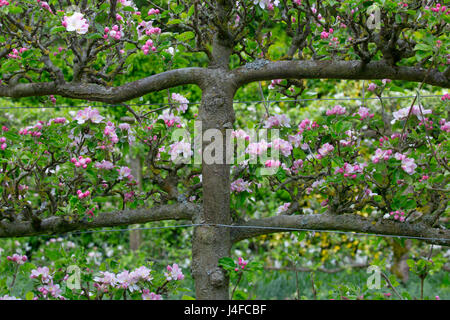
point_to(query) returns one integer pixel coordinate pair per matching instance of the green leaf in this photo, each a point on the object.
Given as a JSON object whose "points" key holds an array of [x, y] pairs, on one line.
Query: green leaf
{"points": [[422, 47], [227, 263], [29, 295], [185, 36], [15, 10], [185, 297], [57, 30], [191, 11], [174, 21], [301, 236], [94, 36], [378, 177]]}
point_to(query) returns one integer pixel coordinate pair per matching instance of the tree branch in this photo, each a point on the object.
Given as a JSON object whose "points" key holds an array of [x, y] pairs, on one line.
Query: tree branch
{"points": [[351, 70], [344, 222], [57, 224], [94, 92]]}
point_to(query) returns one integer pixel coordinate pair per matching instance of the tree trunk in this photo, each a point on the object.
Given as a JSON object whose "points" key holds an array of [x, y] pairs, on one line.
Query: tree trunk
{"points": [[136, 170], [401, 254], [212, 243]]}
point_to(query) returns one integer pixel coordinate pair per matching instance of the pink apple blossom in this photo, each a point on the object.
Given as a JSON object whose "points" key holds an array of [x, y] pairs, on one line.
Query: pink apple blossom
{"points": [[88, 114], [183, 102], [76, 22], [174, 273]]}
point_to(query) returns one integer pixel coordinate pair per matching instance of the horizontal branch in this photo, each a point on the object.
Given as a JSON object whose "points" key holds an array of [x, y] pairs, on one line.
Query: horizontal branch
{"points": [[350, 70], [345, 222], [57, 224], [95, 92]]}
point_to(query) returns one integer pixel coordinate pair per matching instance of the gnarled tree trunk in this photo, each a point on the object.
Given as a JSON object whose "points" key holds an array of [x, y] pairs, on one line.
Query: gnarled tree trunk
{"points": [[212, 243]]}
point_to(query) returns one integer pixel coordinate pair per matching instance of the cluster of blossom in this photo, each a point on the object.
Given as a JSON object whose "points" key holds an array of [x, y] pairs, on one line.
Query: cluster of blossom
{"points": [[283, 208], [408, 164], [51, 289], [148, 46], [334, 42], [82, 195], [104, 164], [257, 148], [271, 163], [382, 140], [110, 131], [337, 110], [364, 113], [424, 177], [277, 121], [438, 8], [182, 102], [147, 28], [428, 123], [4, 3], [147, 295], [306, 124], [241, 185], [269, 4], [3, 144], [16, 53], [396, 215], [42, 274], [180, 148], [297, 165], [372, 87], [445, 125], [241, 263], [81, 162], [124, 280], [282, 145], [324, 34], [90, 212], [76, 22], [274, 82], [88, 114], [351, 141], [170, 119], [115, 32], [295, 140], [445, 97], [402, 114], [350, 170], [324, 150], [174, 273], [240, 134], [125, 172], [17, 258], [153, 11], [45, 6], [381, 155]]}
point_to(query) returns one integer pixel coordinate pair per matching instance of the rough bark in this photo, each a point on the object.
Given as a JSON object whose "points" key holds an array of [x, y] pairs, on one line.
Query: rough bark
{"points": [[254, 71], [344, 222], [212, 243], [95, 92], [136, 170], [329, 69], [401, 253], [57, 224]]}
